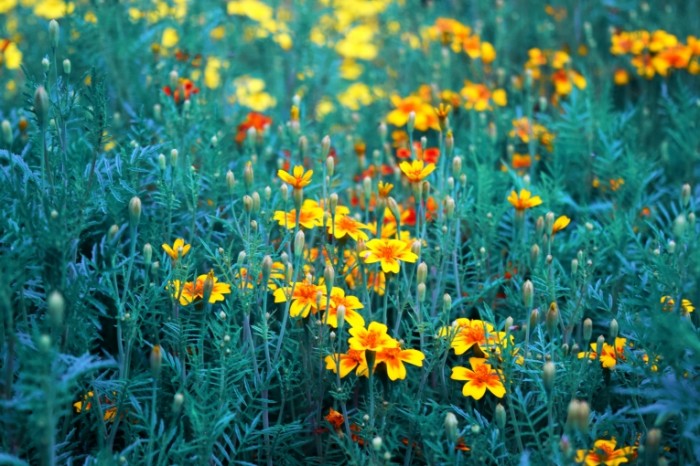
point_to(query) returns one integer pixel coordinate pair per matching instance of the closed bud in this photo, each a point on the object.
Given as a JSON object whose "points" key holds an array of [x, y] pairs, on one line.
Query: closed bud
{"points": [[178, 401], [685, 195], [549, 222], [162, 163], [53, 33], [241, 258], [548, 372], [450, 183], [552, 319], [157, 112], [303, 146], [147, 253], [422, 272], [574, 266], [463, 179], [299, 244], [112, 232], [134, 211], [44, 343], [415, 247], [456, 166], [500, 416], [671, 246], [329, 276], [582, 414], [539, 227], [326, 148], [449, 142], [284, 191], [613, 331], [7, 132], [266, 269], [67, 67], [56, 307], [247, 204], [383, 131], [248, 175], [367, 187], [256, 202], [173, 77], [174, 154], [599, 344], [449, 206], [421, 290], [534, 254], [652, 444], [393, 207], [41, 106], [377, 443], [508, 324], [528, 294], [333, 203], [156, 360], [679, 225], [587, 330], [451, 427], [446, 302], [230, 181], [534, 318], [330, 166]]}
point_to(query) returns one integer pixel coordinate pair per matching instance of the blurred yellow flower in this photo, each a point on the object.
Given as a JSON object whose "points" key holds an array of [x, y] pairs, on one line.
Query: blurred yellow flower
{"points": [[53, 9], [170, 38], [358, 43], [10, 56], [523, 200]]}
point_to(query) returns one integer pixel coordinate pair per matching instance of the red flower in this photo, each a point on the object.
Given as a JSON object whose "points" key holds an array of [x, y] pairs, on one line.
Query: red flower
{"points": [[184, 90], [253, 120]]}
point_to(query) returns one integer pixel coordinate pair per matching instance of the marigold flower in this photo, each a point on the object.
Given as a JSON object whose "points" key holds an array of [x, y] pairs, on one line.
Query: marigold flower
{"points": [[303, 296], [310, 216], [480, 378], [189, 292], [253, 120], [669, 303], [388, 252], [298, 179], [184, 90], [523, 200], [334, 418], [479, 97], [347, 362], [110, 412], [351, 304], [346, 225], [416, 171], [424, 113], [394, 359], [560, 223], [610, 354], [465, 333], [384, 189], [178, 250], [372, 338], [604, 452]]}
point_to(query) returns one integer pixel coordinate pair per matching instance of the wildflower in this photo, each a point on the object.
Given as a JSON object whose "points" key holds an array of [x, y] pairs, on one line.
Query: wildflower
{"points": [[347, 362], [110, 413], [346, 225], [523, 200], [424, 113], [481, 377], [184, 90], [521, 161], [560, 223], [669, 303], [298, 179], [565, 80], [303, 296], [442, 112], [394, 359], [178, 250], [479, 97], [416, 171], [604, 452], [253, 120], [384, 189], [388, 252], [350, 303], [335, 419], [10, 55], [621, 77], [310, 216], [610, 354], [372, 338], [189, 292], [466, 333]]}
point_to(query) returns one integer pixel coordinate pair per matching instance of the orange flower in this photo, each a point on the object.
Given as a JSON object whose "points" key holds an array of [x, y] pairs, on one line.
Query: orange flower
{"points": [[334, 418], [479, 97], [346, 225], [466, 333], [298, 179], [560, 223], [253, 120], [481, 377], [384, 189], [604, 452], [610, 354], [524, 200], [354, 358], [178, 250], [304, 296], [189, 292], [388, 252], [184, 90], [110, 411], [394, 357], [424, 113], [351, 304], [372, 338], [416, 171]]}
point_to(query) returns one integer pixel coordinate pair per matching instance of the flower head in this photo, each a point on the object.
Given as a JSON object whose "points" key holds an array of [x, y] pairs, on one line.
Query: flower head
{"points": [[372, 338], [388, 252], [560, 223], [347, 362], [479, 378], [416, 171], [604, 452], [298, 179], [524, 200], [303, 295], [189, 292], [466, 333], [394, 359], [350, 303], [346, 225], [310, 216], [178, 250]]}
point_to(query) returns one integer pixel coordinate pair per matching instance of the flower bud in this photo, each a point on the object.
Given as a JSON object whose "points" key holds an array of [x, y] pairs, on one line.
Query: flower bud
{"points": [[329, 276], [587, 330], [500, 416], [156, 360], [325, 147], [41, 106], [539, 227], [534, 318], [377, 443], [247, 204], [449, 142], [613, 331], [685, 195], [534, 254], [256, 202], [679, 225], [367, 187], [599, 345], [422, 272], [421, 291], [134, 211], [446, 302], [162, 163], [174, 154], [330, 166], [266, 269], [548, 372], [415, 247], [248, 175], [7, 132], [552, 319], [147, 253], [112, 232], [449, 206], [671, 246], [56, 307], [451, 427], [456, 166], [53, 33], [574, 266], [652, 445], [549, 222], [178, 400], [241, 258], [230, 181], [299, 244], [528, 294], [67, 67]]}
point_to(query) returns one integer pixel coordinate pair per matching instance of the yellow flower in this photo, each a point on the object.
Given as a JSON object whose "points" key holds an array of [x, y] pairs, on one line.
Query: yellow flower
{"points": [[10, 55], [524, 200], [560, 223], [604, 452], [357, 95], [465, 333], [388, 252], [310, 216], [346, 225], [394, 359], [7, 5], [416, 171], [479, 378], [424, 113], [347, 362], [110, 412], [253, 9], [478, 97], [170, 38], [372, 338], [349, 302], [304, 297], [298, 179], [178, 250], [669, 303], [53, 9], [358, 43], [190, 292], [610, 354]]}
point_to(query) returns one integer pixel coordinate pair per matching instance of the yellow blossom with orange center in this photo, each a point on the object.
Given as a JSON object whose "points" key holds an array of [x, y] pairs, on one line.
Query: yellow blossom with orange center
{"points": [[298, 178], [304, 297], [389, 253], [394, 359], [417, 170], [346, 225], [604, 452], [524, 200], [479, 378], [179, 249], [372, 338]]}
